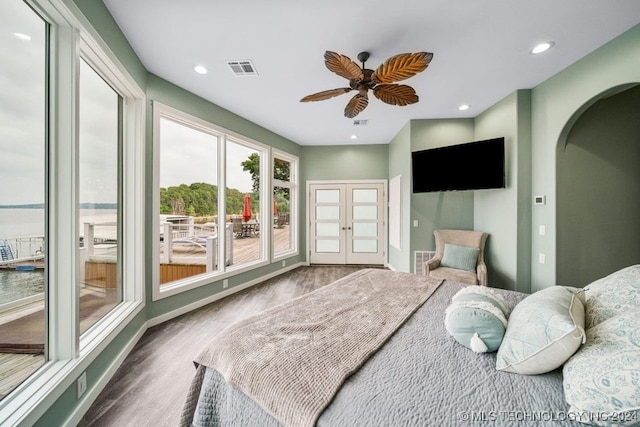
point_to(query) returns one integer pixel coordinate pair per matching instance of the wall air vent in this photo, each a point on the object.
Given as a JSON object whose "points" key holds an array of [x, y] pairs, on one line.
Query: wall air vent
{"points": [[419, 258], [242, 68], [360, 122]]}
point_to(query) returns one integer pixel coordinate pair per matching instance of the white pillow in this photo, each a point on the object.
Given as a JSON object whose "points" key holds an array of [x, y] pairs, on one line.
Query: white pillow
{"points": [[544, 330], [602, 380], [610, 296]]}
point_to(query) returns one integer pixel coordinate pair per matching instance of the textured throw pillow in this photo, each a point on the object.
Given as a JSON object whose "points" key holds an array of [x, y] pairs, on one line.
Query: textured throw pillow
{"points": [[603, 377], [544, 330], [459, 257], [610, 296], [477, 318]]}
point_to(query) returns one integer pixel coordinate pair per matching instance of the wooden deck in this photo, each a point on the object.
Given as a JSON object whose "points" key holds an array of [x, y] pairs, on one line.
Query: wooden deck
{"points": [[190, 260], [15, 368]]}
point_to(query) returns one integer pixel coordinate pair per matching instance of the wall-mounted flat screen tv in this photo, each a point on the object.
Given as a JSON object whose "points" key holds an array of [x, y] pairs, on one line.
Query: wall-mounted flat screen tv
{"points": [[472, 166]]}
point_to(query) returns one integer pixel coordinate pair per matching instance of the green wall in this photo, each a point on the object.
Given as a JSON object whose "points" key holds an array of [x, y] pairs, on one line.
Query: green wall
{"points": [[505, 214], [451, 209], [555, 106], [344, 162], [400, 164], [598, 190]]}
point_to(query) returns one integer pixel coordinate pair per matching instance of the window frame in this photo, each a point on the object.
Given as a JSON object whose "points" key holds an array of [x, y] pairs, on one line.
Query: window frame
{"points": [[161, 110], [70, 36], [294, 193]]}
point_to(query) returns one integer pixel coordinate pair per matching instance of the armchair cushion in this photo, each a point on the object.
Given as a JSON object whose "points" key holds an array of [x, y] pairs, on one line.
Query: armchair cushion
{"points": [[460, 257]]}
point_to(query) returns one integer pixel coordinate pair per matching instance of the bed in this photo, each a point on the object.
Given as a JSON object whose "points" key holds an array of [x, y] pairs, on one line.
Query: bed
{"points": [[419, 376]]}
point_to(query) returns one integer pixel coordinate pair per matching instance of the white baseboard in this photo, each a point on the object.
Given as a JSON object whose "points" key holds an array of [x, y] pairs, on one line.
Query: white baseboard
{"points": [[201, 303], [94, 392], [391, 267]]}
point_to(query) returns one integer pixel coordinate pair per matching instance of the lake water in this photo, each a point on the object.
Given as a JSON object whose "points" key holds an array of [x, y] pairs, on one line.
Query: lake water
{"points": [[15, 285], [14, 223], [30, 222]]}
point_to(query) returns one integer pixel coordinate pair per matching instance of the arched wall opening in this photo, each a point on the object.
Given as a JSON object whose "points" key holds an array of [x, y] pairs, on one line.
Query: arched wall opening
{"points": [[598, 188]]}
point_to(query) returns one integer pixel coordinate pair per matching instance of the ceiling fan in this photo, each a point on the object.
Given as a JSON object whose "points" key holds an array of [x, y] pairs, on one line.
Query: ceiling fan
{"points": [[394, 69]]}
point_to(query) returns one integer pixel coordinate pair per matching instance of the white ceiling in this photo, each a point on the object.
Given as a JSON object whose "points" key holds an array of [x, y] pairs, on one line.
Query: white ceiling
{"points": [[481, 53]]}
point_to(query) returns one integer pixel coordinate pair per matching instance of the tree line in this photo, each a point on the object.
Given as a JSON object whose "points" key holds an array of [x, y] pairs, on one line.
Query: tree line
{"points": [[201, 199]]}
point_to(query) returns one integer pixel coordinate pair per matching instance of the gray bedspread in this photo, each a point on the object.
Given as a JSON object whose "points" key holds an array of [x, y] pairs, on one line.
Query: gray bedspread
{"points": [[420, 377]]}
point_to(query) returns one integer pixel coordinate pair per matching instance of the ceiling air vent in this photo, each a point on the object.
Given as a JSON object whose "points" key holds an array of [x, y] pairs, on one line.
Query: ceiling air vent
{"points": [[360, 122], [242, 68]]}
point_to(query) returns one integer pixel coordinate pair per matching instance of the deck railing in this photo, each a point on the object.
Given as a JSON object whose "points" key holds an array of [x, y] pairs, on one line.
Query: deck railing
{"points": [[22, 249]]}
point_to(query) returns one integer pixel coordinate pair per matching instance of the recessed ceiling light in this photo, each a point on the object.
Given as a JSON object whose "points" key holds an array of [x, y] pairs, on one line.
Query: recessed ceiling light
{"points": [[200, 69], [463, 107], [542, 47], [354, 136], [22, 37]]}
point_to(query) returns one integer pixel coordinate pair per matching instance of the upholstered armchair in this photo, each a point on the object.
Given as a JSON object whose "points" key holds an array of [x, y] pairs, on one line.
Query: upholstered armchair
{"points": [[459, 257]]}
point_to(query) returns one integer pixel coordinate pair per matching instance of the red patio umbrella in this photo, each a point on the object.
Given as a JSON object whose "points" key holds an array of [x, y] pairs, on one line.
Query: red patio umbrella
{"points": [[246, 208], [275, 207]]}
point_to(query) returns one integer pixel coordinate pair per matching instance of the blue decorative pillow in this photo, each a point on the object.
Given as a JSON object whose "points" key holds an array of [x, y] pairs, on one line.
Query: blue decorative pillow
{"points": [[477, 318], [459, 257]]}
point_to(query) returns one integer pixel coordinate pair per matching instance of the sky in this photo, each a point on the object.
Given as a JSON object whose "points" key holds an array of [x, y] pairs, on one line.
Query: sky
{"points": [[187, 155], [21, 105]]}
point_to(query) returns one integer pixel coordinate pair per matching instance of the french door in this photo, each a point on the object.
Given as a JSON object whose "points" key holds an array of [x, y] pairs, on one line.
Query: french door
{"points": [[346, 223]]}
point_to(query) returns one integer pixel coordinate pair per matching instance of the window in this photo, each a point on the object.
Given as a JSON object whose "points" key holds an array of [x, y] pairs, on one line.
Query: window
{"points": [[209, 202], [188, 201], [285, 194], [72, 169], [23, 209], [99, 180]]}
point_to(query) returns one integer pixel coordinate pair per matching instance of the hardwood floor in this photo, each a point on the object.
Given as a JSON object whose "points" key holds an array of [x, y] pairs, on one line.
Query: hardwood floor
{"points": [[151, 385]]}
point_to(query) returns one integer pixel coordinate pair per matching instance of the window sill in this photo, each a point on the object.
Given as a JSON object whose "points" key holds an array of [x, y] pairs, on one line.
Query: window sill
{"points": [[31, 399]]}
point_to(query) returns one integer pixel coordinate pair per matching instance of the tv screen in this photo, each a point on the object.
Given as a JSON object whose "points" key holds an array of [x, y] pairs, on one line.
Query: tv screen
{"points": [[472, 166]]}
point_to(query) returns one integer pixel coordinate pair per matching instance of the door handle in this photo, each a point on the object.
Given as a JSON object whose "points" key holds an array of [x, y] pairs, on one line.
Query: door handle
{"points": [[344, 228]]}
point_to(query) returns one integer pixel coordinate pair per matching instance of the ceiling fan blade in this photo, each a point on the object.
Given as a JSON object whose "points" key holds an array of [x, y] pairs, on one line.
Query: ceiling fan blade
{"points": [[401, 67], [356, 105], [320, 96], [396, 94], [342, 66]]}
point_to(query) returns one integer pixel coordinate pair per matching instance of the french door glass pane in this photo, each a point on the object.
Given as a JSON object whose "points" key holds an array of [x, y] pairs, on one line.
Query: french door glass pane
{"points": [[368, 195], [328, 212], [365, 246], [324, 229], [365, 212], [327, 196], [365, 229], [99, 183], [327, 246], [23, 212], [188, 201]]}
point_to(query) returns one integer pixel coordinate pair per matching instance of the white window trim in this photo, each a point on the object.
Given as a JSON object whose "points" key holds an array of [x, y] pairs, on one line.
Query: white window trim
{"points": [[66, 358], [294, 194], [161, 110]]}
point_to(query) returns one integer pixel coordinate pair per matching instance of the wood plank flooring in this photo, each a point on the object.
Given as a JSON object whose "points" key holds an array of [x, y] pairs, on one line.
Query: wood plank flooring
{"points": [[151, 385]]}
